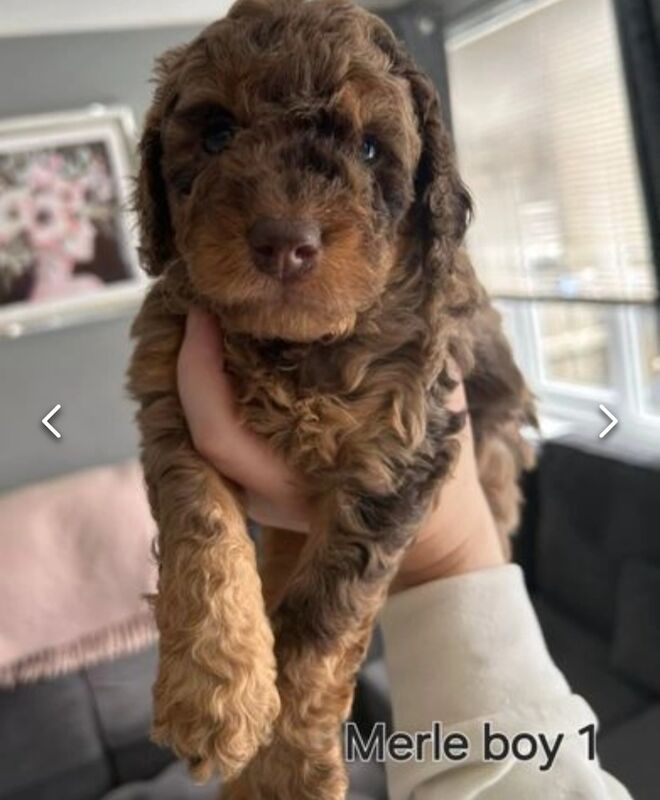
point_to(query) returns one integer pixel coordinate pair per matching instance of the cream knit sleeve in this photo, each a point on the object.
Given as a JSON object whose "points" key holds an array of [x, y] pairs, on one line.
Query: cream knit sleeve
{"points": [[470, 675]]}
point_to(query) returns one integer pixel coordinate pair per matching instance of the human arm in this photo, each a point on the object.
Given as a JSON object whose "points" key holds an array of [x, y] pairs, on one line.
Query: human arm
{"points": [[467, 650]]}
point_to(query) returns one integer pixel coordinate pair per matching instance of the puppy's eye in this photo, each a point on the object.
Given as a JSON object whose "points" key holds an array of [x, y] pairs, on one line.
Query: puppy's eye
{"points": [[217, 136], [369, 149]]}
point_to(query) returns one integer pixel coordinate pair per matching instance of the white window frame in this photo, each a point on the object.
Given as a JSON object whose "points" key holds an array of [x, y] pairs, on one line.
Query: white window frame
{"points": [[578, 406]]}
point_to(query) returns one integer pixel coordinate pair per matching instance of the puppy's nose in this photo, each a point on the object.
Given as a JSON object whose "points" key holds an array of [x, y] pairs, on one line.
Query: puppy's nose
{"points": [[284, 248]]}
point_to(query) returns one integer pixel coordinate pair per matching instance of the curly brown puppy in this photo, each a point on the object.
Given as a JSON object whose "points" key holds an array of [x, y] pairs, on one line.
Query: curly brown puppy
{"points": [[298, 182]]}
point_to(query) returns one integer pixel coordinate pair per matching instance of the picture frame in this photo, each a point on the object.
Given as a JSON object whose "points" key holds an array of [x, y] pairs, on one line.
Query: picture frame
{"points": [[68, 247]]}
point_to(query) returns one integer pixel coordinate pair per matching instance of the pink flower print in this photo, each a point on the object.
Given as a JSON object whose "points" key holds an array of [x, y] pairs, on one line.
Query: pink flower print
{"points": [[79, 240], [14, 213], [54, 278], [71, 193], [49, 222], [54, 162], [97, 183], [53, 272], [39, 174]]}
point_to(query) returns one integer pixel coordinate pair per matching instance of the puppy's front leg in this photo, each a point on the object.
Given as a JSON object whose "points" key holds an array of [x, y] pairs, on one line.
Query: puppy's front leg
{"points": [[215, 697], [324, 623], [323, 627]]}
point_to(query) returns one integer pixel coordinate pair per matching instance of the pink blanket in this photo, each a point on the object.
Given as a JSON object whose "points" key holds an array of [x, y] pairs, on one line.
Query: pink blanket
{"points": [[75, 563]]}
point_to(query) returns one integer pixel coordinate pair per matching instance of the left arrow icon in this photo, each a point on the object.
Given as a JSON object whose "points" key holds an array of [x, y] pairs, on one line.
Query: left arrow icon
{"points": [[46, 421]]}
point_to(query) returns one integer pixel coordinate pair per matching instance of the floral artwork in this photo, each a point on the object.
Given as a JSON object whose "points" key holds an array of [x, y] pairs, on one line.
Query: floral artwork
{"points": [[59, 224]]}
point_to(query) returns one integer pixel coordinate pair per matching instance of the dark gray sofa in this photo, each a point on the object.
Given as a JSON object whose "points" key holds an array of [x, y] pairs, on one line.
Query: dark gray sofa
{"points": [[590, 546]]}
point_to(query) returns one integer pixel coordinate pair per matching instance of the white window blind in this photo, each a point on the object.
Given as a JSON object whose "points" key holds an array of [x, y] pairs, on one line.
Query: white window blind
{"points": [[544, 140]]}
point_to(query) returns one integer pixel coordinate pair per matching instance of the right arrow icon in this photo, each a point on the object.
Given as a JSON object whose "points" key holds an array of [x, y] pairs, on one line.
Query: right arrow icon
{"points": [[613, 421]]}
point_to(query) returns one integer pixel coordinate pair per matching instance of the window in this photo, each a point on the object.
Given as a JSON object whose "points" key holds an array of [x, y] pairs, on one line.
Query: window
{"points": [[575, 343], [545, 143]]}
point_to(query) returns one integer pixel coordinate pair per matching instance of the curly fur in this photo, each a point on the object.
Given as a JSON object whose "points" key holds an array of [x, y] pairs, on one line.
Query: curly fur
{"points": [[345, 372]]}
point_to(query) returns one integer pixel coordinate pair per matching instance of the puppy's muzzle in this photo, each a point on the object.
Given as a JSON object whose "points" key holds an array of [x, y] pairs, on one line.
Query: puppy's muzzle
{"points": [[285, 249]]}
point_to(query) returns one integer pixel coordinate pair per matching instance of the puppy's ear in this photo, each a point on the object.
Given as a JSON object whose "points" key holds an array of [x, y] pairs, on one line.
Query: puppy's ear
{"points": [[442, 202], [156, 235], [150, 197], [442, 197]]}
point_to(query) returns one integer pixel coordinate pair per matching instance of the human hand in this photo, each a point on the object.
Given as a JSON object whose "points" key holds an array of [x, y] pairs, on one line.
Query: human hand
{"points": [[458, 535]]}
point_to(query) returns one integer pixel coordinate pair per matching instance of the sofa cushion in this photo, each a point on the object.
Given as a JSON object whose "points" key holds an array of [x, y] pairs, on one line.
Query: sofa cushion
{"points": [[79, 735], [51, 746], [573, 568], [630, 752], [584, 658], [636, 646], [122, 696], [633, 526], [172, 783], [594, 512]]}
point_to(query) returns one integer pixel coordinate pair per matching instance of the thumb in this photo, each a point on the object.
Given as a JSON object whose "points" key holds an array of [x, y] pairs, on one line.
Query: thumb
{"points": [[215, 426]]}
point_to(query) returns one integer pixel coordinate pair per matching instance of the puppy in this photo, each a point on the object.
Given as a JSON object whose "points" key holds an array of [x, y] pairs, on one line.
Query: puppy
{"points": [[297, 181]]}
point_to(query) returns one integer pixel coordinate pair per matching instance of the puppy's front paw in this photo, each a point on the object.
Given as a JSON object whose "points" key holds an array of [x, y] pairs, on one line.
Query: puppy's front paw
{"points": [[287, 771], [214, 722]]}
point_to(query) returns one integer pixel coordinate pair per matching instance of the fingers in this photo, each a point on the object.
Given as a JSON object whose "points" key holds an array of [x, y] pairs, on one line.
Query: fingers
{"points": [[215, 426], [206, 394], [204, 387]]}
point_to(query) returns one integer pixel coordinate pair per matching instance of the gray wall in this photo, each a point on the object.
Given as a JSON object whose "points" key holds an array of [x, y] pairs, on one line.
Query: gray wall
{"points": [[80, 367]]}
